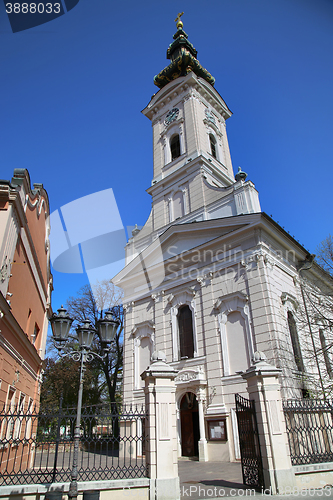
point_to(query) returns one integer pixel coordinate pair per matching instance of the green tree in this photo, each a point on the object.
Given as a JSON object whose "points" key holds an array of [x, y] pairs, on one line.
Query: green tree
{"points": [[61, 377], [90, 304]]}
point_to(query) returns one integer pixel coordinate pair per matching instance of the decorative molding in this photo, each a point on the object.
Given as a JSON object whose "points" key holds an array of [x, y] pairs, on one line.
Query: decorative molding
{"points": [[206, 279], [39, 202], [128, 307], [191, 377], [5, 270], [288, 300], [192, 94], [144, 329], [158, 297], [212, 127]]}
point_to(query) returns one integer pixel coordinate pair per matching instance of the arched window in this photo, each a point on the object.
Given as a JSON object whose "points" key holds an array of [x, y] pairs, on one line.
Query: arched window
{"points": [[175, 147], [185, 328], [295, 342], [212, 141]]}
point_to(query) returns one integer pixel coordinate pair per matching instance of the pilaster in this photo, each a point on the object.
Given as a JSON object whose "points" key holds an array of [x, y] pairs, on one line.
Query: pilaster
{"points": [[263, 387], [161, 452]]}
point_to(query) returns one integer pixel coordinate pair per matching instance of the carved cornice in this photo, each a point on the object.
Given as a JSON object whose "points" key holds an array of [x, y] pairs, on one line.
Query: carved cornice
{"points": [[182, 297], [230, 297], [144, 329]]}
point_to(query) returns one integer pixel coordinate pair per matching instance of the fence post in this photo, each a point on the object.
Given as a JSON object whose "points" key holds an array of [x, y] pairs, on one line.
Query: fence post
{"points": [[263, 387], [161, 452]]}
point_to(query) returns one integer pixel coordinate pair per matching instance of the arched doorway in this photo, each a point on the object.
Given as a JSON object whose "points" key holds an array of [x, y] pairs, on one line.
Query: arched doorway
{"points": [[189, 422]]}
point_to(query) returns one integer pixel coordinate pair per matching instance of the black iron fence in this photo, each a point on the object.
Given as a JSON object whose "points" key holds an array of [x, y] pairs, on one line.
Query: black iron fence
{"points": [[310, 430], [37, 447]]}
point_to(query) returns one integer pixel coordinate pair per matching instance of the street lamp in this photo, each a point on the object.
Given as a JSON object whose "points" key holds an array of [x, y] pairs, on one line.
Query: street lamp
{"points": [[61, 324]]}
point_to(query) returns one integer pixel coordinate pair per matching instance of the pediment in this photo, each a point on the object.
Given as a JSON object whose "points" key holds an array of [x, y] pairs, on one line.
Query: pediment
{"points": [[180, 241], [182, 245]]}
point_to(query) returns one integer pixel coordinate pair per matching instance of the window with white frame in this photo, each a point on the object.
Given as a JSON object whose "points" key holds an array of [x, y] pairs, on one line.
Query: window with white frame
{"points": [[10, 409], [175, 147], [183, 324], [213, 146], [28, 425], [19, 417], [185, 329]]}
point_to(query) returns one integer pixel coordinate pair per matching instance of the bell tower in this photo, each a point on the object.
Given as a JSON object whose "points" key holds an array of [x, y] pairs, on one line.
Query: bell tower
{"points": [[188, 116], [193, 177]]}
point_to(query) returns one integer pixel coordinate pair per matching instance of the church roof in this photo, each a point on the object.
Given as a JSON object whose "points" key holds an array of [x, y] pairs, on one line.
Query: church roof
{"points": [[183, 60]]}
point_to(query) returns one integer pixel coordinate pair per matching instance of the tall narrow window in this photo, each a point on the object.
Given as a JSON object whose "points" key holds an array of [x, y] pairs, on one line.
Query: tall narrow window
{"points": [[175, 147], [325, 348], [185, 327], [295, 342], [10, 410], [35, 334], [19, 417], [212, 141]]}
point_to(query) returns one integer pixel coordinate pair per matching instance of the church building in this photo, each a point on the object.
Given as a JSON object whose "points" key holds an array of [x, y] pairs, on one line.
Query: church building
{"points": [[209, 279]]}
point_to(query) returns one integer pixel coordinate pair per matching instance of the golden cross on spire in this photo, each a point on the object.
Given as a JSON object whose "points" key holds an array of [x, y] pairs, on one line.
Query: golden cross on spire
{"points": [[178, 21]]}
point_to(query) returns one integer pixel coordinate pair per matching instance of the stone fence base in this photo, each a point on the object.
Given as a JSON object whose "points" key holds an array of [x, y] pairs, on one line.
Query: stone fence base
{"points": [[119, 489], [314, 476]]}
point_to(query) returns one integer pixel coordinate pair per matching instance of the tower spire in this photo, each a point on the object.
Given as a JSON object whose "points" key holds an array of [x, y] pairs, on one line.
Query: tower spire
{"points": [[183, 59]]}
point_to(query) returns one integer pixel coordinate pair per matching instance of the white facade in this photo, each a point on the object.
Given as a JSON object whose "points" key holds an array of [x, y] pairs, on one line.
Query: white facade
{"points": [[208, 252]]}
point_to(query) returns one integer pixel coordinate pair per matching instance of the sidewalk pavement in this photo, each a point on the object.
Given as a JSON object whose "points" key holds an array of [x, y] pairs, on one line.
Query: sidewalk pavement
{"points": [[216, 480]]}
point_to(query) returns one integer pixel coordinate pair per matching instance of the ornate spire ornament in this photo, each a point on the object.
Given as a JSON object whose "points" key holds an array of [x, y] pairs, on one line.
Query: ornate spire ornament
{"points": [[183, 59], [178, 21]]}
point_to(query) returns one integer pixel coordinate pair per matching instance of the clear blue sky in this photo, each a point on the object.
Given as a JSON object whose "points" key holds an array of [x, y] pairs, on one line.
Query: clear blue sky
{"points": [[73, 89]]}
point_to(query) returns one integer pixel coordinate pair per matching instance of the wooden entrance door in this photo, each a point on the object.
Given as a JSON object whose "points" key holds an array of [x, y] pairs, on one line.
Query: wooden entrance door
{"points": [[189, 420]]}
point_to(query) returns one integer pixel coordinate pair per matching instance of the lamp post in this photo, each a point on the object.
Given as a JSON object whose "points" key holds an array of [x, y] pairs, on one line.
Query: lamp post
{"points": [[61, 324]]}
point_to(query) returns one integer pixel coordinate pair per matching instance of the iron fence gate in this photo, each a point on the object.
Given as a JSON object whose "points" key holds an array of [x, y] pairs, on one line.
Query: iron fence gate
{"points": [[249, 443], [36, 447], [309, 425]]}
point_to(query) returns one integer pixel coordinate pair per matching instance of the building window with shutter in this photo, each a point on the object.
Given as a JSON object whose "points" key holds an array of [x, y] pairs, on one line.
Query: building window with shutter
{"points": [[185, 328]]}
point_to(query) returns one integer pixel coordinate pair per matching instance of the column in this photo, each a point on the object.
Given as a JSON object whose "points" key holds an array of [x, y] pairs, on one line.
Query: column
{"points": [[263, 387], [161, 454], [203, 453]]}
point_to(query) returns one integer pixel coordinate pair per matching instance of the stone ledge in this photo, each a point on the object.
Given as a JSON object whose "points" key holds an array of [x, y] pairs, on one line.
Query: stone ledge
{"points": [[31, 489], [308, 468]]}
